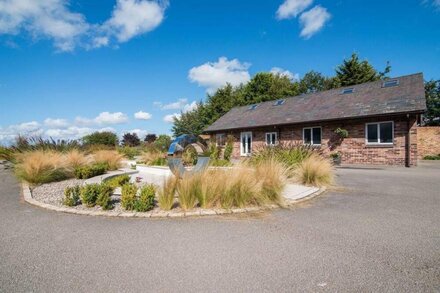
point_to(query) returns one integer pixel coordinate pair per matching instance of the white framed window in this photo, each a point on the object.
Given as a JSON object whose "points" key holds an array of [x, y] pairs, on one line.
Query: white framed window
{"points": [[246, 143], [312, 135], [379, 133], [271, 138], [220, 139]]}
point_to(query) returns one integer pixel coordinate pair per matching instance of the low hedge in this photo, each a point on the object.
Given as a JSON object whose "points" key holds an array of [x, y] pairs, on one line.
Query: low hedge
{"points": [[89, 171], [432, 157]]}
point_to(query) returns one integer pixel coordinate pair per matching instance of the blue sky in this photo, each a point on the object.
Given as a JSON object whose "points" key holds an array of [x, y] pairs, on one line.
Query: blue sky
{"points": [[70, 67]]}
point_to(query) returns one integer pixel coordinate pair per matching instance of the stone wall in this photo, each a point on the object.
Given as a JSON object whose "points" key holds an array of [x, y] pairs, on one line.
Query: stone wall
{"points": [[353, 148], [428, 139]]}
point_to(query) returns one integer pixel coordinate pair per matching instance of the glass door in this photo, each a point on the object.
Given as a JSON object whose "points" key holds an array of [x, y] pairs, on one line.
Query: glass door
{"points": [[246, 143]]}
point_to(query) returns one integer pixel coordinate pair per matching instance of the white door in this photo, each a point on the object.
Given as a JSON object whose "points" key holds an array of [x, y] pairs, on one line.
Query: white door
{"points": [[246, 143]]}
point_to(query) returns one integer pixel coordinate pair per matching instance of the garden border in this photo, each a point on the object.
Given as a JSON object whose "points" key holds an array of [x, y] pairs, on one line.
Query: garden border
{"points": [[27, 194]]}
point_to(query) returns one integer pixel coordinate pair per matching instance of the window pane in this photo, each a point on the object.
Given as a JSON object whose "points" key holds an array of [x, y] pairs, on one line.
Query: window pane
{"points": [[307, 135], [274, 138], [386, 132], [372, 133], [317, 135], [267, 138], [249, 144]]}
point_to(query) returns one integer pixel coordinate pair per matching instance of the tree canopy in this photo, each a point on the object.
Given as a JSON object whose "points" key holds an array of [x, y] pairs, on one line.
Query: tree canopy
{"points": [[102, 138], [432, 93]]}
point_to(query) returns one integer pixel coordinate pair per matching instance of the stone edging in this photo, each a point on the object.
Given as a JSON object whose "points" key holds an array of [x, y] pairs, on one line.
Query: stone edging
{"points": [[157, 214]]}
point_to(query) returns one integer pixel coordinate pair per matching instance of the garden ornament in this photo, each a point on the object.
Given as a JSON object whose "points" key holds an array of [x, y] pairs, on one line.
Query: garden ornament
{"points": [[177, 148]]}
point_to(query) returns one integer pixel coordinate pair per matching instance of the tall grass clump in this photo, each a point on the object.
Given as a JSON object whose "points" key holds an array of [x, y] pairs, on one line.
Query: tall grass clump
{"points": [[41, 166], [212, 184], [188, 190], [75, 159], [315, 170], [273, 177], [289, 154], [166, 193], [241, 189], [111, 158], [154, 158]]}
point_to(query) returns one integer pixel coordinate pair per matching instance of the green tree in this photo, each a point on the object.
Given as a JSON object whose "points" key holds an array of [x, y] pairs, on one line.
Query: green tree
{"points": [[432, 93], [103, 138], [191, 122], [163, 142], [266, 86], [314, 81], [354, 71], [130, 139]]}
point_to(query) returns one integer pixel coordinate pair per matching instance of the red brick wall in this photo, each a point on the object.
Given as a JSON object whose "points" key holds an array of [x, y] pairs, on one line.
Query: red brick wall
{"points": [[353, 148], [428, 139]]}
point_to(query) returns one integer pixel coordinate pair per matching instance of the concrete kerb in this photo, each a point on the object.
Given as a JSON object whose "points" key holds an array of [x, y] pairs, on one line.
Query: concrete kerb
{"points": [[27, 194]]}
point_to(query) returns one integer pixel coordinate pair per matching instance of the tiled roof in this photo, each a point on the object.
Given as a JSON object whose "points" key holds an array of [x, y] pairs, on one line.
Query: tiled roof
{"points": [[368, 99]]}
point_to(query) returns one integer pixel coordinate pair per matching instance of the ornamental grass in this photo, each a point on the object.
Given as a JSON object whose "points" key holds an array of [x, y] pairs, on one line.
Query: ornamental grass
{"points": [[112, 159], [315, 170], [166, 193], [40, 166]]}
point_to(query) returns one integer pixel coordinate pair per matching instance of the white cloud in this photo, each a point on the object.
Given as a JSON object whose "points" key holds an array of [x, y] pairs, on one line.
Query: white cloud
{"points": [[170, 117], [73, 132], [291, 8], [142, 115], [111, 118], [134, 17], [141, 133], [313, 21], [181, 104], [283, 72], [104, 118], [8, 134], [43, 19], [56, 123], [216, 74], [54, 20], [189, 107]]}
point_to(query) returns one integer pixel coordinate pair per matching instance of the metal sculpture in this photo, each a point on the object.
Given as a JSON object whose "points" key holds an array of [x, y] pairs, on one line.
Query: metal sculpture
{"points": [[177, 148]]}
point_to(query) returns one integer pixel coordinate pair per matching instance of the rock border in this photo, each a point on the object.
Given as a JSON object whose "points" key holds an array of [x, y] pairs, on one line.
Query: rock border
{"points": [[27, 194]]}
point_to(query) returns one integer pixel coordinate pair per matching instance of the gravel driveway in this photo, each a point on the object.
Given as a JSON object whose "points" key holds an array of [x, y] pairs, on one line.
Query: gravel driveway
{"points": [[380, 231]]}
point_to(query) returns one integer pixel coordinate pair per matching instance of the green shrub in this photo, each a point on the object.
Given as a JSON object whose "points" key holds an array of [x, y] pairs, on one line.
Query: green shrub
{"points": [[128, 196], [229, 148], [118, 181], [129, 152], [214, 151], [71, 196], [145, 201], [432, 157], [342, 133], [104, 197], [220, 163], [90, 171], [166, 193], [89, 194]]}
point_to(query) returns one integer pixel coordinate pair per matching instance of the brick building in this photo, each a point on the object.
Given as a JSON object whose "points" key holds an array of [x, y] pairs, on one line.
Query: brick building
{"points": [[380, 117]]}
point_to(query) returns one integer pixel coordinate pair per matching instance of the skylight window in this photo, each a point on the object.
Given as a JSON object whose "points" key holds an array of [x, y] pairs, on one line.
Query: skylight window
{"points": [[390, 83], [279, 102], [253, 107], [347, 91]]}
